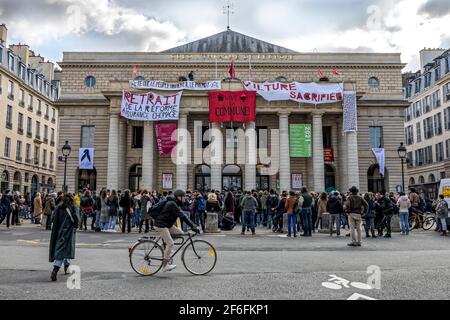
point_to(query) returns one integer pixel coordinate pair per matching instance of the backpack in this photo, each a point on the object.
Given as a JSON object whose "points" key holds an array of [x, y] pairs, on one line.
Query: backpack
{"points": [[443, 208], [155, 211], [273, 201], [201, 204]]}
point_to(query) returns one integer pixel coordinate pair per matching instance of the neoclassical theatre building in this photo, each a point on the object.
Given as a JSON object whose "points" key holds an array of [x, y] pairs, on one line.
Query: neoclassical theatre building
{"points": [[126, 153]]}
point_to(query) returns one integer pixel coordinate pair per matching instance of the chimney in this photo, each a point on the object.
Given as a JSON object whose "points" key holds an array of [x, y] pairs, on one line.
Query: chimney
{"points": [[427, 55], [3, 33], [22, 51]]}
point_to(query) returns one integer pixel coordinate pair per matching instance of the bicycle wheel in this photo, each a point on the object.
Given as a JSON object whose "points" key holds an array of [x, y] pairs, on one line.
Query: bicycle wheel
{"points": [[199, 257], [428, 223], [412, 223], [146, 258]]}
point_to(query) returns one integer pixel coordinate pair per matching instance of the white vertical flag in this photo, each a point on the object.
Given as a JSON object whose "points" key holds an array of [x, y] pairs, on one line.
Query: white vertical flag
{"points": [[380, 155], [86, 158]]}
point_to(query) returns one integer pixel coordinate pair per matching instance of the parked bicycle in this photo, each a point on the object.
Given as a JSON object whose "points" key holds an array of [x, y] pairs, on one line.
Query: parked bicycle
{"points": [[424, 220], [147, 254]]}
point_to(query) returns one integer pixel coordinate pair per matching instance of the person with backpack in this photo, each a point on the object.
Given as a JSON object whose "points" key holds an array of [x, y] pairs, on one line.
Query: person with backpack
{"points": [[308, 202], [404, 204], [356, 207], [200, 210], [290, 205], [388, 211], [87, 206], [249, 205], [442, 214], [334, 208], [165, 214], [272, 205]]}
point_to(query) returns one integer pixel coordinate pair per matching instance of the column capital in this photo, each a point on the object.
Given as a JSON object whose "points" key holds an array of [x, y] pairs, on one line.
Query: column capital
{"points": [[284, 114], [184, 114], [318, 113]]}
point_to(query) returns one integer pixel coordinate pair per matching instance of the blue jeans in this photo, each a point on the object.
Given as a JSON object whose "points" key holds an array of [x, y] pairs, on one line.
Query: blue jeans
{"points": [[185, 226], [137, 217], [250, 214], [443, 224], [404, 223], [264, 217], [59, 263], [112, 222], [307, 221], [292, 222]]}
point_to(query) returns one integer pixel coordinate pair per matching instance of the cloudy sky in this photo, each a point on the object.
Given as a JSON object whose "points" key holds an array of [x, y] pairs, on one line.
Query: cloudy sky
{"points": [[53, 26]]}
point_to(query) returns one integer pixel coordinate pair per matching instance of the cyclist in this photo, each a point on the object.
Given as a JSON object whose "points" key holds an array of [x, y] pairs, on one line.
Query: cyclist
{"points": [[165, 224]]}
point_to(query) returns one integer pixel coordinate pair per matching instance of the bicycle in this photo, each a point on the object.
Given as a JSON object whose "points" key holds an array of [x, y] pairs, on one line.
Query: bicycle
{"points": [[147, 255], [425, 220]]}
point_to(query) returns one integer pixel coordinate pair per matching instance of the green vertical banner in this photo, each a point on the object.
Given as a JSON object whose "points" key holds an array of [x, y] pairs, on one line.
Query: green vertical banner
{"points": [[300, 140]]}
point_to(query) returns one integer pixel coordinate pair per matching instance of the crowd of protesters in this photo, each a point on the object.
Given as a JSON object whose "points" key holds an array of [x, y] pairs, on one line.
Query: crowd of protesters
{"points": [[300, 213]]}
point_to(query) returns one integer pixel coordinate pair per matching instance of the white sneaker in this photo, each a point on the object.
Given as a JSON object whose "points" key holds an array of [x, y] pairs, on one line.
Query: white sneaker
{"points": [[169, 267]]}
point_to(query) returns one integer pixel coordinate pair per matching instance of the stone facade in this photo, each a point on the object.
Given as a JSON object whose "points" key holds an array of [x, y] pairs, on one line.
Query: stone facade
{"points": [[381, 105], [28, 119]]}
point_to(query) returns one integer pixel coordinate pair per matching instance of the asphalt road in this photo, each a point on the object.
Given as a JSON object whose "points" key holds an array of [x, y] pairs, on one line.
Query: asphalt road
{"points": [[265, 266]]}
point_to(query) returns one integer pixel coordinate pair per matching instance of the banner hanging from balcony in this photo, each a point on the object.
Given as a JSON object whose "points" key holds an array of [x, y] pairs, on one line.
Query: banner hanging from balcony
{"points": [[309, 93], [350, 112], [150, 106], [380, 155], [86, 158], [232, 106], [186, 85], [164, 132]]}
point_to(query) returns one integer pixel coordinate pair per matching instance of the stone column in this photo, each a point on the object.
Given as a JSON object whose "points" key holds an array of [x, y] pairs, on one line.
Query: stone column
{"points": [[318, 162], [182, 153], [352, 160], [284, 152], [113, 153], [216, 153], [342, 158], [147, 157], [123, 172], [250, 156]]}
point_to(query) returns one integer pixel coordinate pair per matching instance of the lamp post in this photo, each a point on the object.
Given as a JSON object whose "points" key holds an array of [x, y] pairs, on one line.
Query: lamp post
{"points": [[402, 155], [66, 149]]}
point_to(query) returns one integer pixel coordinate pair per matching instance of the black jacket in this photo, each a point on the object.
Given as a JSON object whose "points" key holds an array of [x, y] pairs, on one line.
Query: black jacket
{"points": [[334, 206], [169, 215], [62, 240]]}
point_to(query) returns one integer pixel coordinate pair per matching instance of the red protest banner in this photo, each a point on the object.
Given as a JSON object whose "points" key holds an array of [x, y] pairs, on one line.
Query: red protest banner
{"points": [[164, 133], [232, 106], [328, 154]]}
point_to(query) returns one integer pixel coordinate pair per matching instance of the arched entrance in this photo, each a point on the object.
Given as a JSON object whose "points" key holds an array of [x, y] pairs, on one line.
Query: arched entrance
{"points": [[412, 182], [17, 181], [262, 182], [135, 178], [202, 178], [87, 179], [375, 181], [34, 186], [330, 177], [5, 181], [231, 178]]}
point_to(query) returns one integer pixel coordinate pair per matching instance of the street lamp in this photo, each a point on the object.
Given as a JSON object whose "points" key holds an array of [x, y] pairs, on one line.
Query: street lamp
{"points": [[66, 149], [402, 155]]}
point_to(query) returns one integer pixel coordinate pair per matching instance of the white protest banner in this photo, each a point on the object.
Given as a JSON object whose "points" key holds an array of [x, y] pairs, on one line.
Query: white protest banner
{"points": [[150, 106], [86, 158], [379, 154], [310, 93], [186, 85]]}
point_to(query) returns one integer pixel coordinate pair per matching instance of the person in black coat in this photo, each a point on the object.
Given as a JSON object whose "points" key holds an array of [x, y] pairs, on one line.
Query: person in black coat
{"points": [[5, 207], [65, 222], [127, 204]]}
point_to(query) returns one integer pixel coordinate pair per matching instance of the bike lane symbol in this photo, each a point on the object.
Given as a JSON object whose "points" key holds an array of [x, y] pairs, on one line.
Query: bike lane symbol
{"points": [[338, 283]]}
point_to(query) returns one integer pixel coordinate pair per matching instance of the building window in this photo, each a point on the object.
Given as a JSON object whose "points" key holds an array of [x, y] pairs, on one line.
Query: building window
{"points": [[447, 147], [437, 73], [11, 62], [138, 138], [408, 114], [204, 138], [417, 110], [417, 85], [90, 82], [436, 99], [376, 137], [438, 124], [427, 79], [29, 127], [87, 136], [44, 158], [409, 159], [51, 160], [53, 114], [52, 138], [22, 98], [11, 90], [28, 153], [374, 82], [447, 64], [38, 130], [447, 92], [447, 118], [36, 155], [9, 116], [426, 104], [261, 138], [30, 102], [408, 91], [20, 123], [7, 151], [428, 155], [440, 152], [428, 128], [419, 131], [419, 157], [47, 111], [45, 133], [409, 135], [39, 108], [19, 151]]}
